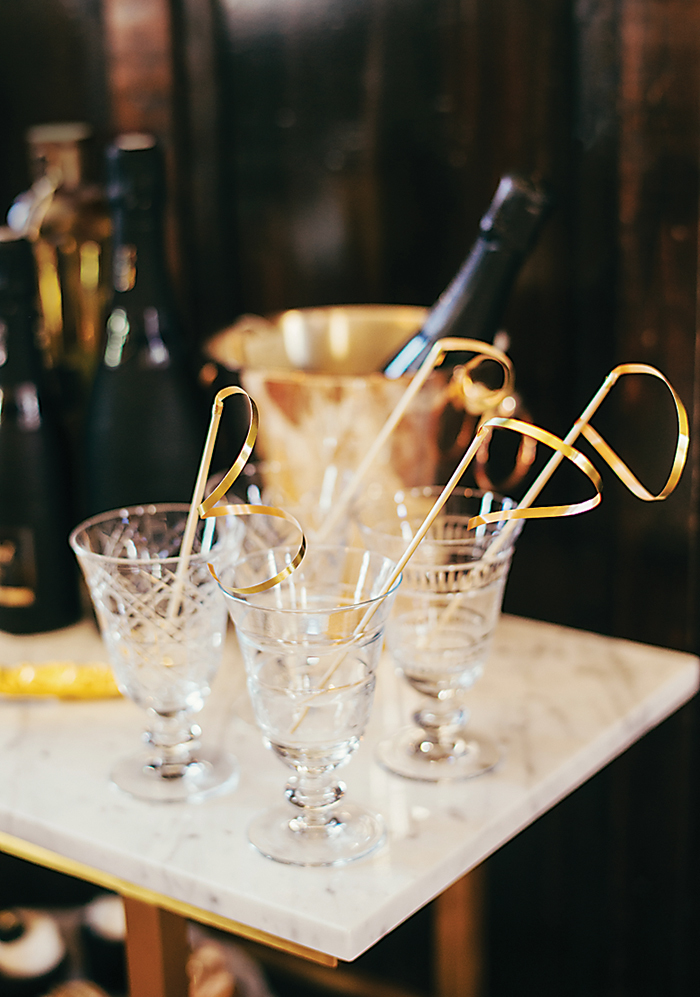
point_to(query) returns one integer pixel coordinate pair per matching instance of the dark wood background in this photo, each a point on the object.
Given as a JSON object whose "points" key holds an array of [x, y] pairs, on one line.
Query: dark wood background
{"points": [[328, 151]]}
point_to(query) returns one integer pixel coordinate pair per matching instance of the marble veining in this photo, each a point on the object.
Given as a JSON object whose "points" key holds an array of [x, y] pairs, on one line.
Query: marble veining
{"points": [[562, 703]]}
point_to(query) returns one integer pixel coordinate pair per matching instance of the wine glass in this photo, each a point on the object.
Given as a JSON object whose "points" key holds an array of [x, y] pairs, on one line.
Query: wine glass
{"points": [[311, 645], [442, 625], [164, 626]]}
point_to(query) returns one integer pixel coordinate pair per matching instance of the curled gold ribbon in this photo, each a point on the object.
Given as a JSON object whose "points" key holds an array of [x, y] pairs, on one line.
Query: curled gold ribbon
{"points": [[563, 448], [476, 397], [611, 458], [209, 507], [470, 392], [245, 451], [560, 447], [478, 400], [239, 509]]}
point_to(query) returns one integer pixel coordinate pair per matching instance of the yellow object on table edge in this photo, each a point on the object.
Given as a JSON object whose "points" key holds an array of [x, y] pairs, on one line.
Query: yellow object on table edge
{"points": [[64, 679]]}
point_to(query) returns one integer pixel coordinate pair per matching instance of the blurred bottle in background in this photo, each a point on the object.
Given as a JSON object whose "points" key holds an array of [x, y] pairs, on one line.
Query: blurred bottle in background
{"points": [[66, 217], [38, 578], [146, 421]]}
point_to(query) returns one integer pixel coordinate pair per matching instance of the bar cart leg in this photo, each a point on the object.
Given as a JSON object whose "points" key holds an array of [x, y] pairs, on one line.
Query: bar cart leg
{"points": [[458, 937], [156, 950]]}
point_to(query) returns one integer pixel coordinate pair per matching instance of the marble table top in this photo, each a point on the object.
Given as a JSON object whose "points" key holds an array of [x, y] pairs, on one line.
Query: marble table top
{"points": [[562, 702]]}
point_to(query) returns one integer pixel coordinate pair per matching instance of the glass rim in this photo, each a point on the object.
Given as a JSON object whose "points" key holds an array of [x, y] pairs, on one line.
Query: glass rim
{"points": [[247, 600], [150, 508], [490, 530]]}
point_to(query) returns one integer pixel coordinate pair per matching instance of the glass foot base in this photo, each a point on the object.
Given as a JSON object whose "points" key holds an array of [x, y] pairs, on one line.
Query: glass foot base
{"points": [[211, 776], [410, 754], [354, 832]]}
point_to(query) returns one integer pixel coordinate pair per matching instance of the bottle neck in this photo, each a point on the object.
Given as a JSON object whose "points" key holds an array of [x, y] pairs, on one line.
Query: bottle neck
{"points": [[138, 267], [20, 359], [141, 321], [61, 160], [473, 303]]}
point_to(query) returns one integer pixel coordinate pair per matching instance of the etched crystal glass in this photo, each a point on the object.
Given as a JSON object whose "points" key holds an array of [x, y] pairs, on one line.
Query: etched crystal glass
{"points": [[311, 645], [164, 631], [442, 625]]}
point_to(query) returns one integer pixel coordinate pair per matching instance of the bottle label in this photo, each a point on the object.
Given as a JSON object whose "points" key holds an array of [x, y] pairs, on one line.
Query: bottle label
{"points": [[17, 567]]}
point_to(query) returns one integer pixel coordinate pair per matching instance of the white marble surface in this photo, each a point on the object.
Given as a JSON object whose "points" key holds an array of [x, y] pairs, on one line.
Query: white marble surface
{"points": [[562, 702]]}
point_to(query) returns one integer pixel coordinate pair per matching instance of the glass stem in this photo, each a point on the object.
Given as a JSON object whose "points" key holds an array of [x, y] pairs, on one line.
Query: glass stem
{"points": [[315, 792], [173, 743], [441, 722]]}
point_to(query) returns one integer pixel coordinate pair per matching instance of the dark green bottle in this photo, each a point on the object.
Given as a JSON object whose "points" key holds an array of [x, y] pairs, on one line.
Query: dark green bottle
{"points": [[473, 303], [38, 578], [145, 425]]}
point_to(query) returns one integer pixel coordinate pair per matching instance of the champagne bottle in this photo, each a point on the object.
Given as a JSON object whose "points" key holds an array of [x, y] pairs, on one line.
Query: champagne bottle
{"points": [[66, 218], [145, 426], [38, 580], [472, 305], [69, 227]]}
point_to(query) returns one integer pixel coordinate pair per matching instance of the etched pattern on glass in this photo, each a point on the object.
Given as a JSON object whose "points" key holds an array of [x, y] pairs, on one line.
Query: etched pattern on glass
{"points": [[311, 647], [441, 630], [163, 622], [162, 663]]}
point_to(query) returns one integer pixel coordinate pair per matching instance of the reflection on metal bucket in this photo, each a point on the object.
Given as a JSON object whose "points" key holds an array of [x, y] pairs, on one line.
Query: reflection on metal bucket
{"points": [[315, 374]]}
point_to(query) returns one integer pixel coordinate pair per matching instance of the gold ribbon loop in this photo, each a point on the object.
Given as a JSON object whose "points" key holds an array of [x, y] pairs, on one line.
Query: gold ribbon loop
{"points": [[477, 397], [616, 463], [487, 397], [209, 507], [549, 511], [245, 451], [239, 509]]}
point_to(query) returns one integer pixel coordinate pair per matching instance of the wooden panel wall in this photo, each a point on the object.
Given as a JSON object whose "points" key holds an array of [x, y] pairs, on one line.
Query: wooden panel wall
{"points": [[325, 151], [51, 69]]}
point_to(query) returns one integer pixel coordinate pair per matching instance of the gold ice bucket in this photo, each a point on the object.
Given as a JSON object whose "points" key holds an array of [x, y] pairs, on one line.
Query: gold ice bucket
{"points": [[315, 374]]}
